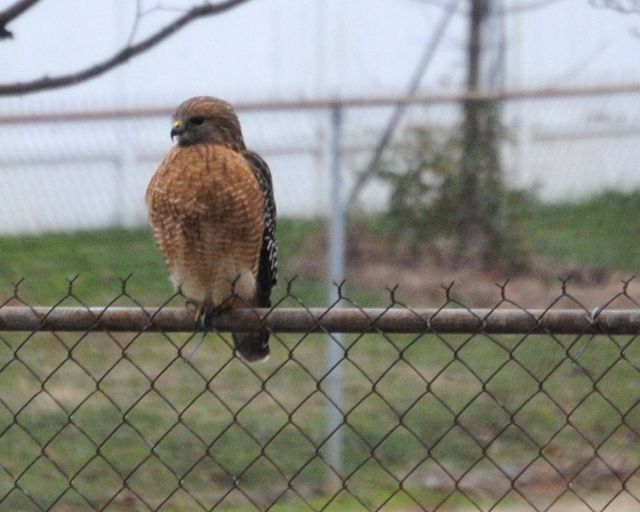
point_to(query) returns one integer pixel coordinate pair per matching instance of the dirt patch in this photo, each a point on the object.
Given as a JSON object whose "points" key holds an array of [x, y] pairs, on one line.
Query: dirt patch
{"points": [[423, 276], [426, 285]]}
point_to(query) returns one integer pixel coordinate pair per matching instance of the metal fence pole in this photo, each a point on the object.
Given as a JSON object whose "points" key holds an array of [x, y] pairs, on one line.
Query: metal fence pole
{"points": [[125, 166], [335, 347]]}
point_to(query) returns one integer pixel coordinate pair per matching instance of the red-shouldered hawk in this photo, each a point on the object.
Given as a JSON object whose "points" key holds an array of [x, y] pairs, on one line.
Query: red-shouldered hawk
{"points": [[213, 216]]}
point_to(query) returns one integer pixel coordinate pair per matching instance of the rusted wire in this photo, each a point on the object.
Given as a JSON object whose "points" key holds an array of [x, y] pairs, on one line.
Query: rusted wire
{"points": [[442, 408]]}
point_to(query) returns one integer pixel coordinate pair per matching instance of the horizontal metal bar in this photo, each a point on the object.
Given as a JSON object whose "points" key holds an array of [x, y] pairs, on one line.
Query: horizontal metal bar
{"points": [[327, 103], [348, 320]]}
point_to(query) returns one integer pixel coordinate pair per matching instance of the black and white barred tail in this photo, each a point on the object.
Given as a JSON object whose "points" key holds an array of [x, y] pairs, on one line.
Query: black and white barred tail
{"points": [[252, 346]]}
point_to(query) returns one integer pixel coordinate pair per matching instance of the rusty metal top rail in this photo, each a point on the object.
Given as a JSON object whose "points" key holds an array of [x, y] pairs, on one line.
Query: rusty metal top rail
{"points": [[325, 103], [346, 320]]}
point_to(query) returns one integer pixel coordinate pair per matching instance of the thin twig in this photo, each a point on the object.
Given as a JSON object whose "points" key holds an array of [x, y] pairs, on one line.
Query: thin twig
{"points": [[162, 8], [400, 109], [136, 22], [140, 13]]}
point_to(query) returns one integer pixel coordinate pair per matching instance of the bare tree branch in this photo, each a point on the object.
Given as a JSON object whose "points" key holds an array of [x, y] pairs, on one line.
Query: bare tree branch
{"points": [[11, 13], [121, 56]]}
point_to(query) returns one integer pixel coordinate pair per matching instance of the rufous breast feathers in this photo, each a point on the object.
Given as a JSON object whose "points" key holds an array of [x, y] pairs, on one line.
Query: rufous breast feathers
{"points": [[207, 213]]}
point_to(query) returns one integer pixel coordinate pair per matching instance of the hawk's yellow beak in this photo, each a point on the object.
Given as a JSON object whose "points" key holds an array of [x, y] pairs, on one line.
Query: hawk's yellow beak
{"points": [[177, 128]]}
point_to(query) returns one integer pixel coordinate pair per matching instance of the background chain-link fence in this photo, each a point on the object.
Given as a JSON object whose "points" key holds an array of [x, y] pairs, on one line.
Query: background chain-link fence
{"points": [[443, 409], [93, 166]]}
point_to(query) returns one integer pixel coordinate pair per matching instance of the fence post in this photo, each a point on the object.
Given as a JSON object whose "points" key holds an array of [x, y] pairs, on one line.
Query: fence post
{"points": [[335, 346], [125, 166]]}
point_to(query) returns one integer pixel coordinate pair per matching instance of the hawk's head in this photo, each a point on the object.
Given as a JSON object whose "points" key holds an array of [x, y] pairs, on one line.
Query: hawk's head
{"points": [[206, 120]]}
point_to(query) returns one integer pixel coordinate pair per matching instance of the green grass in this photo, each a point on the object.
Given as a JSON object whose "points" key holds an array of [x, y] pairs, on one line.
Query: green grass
{"points": [[602, 231], [89, 411], [101, 259], [220, 431], [97, 262]]}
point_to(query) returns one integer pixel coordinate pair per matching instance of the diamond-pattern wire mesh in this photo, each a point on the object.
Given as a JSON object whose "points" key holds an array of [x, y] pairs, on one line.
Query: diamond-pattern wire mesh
{"points": [[440, 418]]}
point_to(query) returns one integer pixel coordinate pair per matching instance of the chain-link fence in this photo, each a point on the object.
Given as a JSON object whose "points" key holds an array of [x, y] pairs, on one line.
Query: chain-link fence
{"points": [[92, 166], [452, 408]]}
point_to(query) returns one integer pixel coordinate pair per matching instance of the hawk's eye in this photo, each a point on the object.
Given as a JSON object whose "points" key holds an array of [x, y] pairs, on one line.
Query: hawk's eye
{"points": [[198, 120]]}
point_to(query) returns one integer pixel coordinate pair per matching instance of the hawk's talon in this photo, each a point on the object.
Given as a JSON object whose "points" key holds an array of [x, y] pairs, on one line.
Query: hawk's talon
{"points": [[207, 319], [205, 314]]}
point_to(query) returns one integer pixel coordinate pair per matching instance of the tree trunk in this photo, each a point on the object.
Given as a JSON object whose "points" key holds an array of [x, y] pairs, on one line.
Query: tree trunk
{"points": [[480, 223]]}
